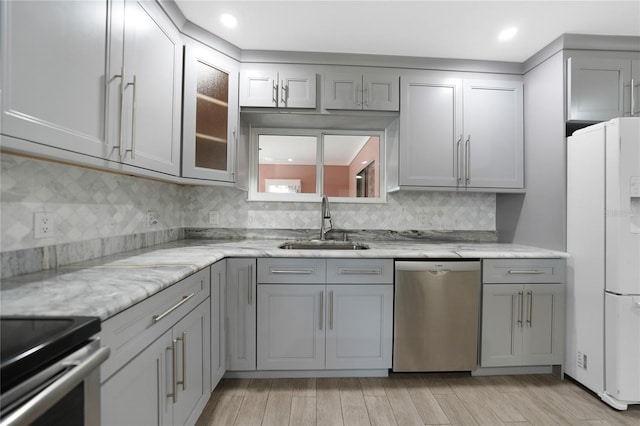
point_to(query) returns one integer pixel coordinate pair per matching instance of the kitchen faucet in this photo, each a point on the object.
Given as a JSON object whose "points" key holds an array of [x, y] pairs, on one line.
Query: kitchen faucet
{"points": [[326, 214]]}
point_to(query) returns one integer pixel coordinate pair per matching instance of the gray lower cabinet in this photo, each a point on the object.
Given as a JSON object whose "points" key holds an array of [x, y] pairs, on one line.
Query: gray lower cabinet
{"points": [[360, 329], [522, 313], [159, 371], [241, 314], [309, 322], [291, 327], [218, 312]]}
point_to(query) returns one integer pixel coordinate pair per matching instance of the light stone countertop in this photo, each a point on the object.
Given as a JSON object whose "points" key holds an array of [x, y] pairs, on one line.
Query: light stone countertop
{"points": [[109, 285]]}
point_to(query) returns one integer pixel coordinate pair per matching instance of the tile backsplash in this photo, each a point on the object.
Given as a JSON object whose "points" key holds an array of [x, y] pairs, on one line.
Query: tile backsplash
{"points": [[404, 210], [88, 204]]}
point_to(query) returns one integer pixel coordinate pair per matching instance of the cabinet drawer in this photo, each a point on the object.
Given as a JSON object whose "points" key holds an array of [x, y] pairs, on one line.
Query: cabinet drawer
{"points": [[360, 271], [523, 271], [129, 332], [291, 271]]}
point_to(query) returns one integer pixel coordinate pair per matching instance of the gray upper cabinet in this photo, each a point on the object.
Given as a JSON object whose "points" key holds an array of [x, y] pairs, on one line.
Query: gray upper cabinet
{"points": [[210, 115], [54, 74], [494, 134], [600, 89], [375, 91], [101, 78], [464, 134], [151, 87], [430, 131], [286, 87]]}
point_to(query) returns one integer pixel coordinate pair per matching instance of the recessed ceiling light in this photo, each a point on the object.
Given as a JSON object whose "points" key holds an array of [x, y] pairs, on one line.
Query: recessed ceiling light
{"points": [[507, 34], [290, 159], [365, 162], [228, 20]]}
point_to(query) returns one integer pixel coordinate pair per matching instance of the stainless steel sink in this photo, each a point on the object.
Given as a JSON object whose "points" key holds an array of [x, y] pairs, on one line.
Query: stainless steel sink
{"points": [[322, 245]]}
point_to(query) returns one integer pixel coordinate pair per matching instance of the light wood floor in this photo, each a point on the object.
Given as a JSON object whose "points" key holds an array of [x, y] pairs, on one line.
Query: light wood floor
{"points": [[410, 399]]}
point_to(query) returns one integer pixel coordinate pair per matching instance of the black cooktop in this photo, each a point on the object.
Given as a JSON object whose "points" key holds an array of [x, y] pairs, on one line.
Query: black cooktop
{"points": [[29, 344]]}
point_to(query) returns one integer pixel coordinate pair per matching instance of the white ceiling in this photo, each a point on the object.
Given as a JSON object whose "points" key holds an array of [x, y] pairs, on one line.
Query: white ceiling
{"points": [[434, 29]]}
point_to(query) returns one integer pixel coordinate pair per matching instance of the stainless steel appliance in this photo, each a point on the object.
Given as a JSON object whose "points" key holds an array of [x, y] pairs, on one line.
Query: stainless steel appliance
{"points": [[49, 371], [436, 315]]}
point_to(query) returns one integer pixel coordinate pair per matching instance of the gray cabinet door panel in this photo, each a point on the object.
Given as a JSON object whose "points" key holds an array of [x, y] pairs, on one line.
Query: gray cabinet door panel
{"points": [[193, 361], [430, 132], [153, 84], [218, 337], [494, 138], [241, 314], [54, 74], [138, 394], [342, 91], [543, 341], [360, 326], [381, 92], [291, 327], [501, 332], [595, 88], [297, 89]]}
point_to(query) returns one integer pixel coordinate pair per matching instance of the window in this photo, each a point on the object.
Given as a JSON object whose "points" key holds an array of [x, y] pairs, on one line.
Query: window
{"points": [[303, 165]]}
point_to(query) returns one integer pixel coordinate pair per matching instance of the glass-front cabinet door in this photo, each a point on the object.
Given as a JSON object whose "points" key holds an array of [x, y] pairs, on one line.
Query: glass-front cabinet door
{"points": [[210, 115]]}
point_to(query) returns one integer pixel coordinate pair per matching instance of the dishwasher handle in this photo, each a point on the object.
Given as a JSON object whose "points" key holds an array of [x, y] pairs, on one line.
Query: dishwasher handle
{"points": [[437, 266]]}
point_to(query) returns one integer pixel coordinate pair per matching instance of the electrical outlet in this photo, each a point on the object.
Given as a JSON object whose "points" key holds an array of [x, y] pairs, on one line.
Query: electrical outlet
{"points": [[43, 225], [152, 218], [424, 220], [213, 217]]}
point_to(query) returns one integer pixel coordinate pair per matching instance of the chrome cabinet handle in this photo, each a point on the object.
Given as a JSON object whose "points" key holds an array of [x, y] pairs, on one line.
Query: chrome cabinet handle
{"points": [[292, 271], [121, 77], [359, 94], [250, 285], [365, 97], [284, 93], [525, 272], [274, 93], [123, 87], [321, 309], [184, 300], [360, 272], [174, 374], [331, 310], [467, 152], [530, 313], [520, 307], [633, 99], [183, 340], [133, 119], [459, 160]]}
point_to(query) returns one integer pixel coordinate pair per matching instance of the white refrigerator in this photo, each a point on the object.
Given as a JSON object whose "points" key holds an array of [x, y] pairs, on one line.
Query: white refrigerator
{"points": [[603, 274]]}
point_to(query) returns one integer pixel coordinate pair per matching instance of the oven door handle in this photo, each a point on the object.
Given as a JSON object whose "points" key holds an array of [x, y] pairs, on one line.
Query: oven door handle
{"points": [[39, 404]]}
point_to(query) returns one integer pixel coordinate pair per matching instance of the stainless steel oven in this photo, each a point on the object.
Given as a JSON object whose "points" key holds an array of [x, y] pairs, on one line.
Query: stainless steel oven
{"points": [[50, 371]]}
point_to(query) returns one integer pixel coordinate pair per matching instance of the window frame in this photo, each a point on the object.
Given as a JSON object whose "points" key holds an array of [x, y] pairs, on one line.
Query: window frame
{"points": [[255, 195]]}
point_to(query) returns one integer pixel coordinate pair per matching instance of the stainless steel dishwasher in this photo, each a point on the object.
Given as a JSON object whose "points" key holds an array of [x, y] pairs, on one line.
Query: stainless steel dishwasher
{"points": [[436, 315]]}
